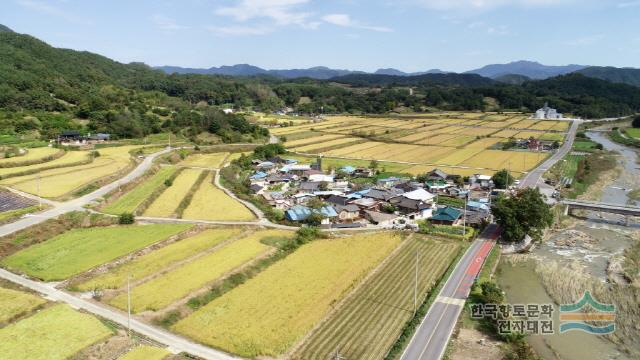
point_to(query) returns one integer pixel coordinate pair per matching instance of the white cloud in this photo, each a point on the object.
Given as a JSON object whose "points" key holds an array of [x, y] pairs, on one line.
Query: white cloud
{"points": [[486, 4], [345, 20], [283, 12], [628, 4], [166, 23], [238, 30], [51, 10], [586, 40]]}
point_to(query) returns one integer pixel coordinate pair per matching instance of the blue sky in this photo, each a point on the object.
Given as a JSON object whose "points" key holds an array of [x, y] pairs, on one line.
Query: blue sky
{"points": [[411, 35]]}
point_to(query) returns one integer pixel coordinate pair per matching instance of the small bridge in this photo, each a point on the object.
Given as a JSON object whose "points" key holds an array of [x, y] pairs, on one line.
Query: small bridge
{"points": [[602, 207]]}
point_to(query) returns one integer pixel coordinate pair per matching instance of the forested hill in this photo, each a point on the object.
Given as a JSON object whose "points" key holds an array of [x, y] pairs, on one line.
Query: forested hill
{"points": [[449, 79], [134, 100], [617, 75]]}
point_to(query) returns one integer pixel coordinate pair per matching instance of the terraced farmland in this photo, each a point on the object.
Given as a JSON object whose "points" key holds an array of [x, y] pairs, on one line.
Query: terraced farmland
{"points": [[211, 203], [213, 160], [156, 261], [57, 332], [270, 312], [62, 177], [34, 156], [134, 198], [178, 283], [145, 352], [14, 303], [79, 250], [370, 321], [167, 203]]}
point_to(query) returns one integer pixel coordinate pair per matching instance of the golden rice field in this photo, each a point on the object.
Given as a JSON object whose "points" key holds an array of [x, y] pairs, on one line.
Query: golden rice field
{"points": [[70, 157], [14, 303], [145, 352], [61, 181], [272, 311], [155, 261], [178, 283], [211, 203], [35, 154], [443, 140], [372, 318], [167, 203], [213, 160], [57, 332]]}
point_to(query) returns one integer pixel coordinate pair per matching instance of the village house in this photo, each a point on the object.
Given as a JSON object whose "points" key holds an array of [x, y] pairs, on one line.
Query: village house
{"points": [[381, 219], [347, 213], [446, 216], [300, 213]]}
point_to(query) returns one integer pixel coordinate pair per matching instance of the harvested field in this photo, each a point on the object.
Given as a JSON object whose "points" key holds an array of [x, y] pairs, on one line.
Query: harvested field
{"points": [[179, 283], [294, 294], [71, 157], [57, 332], [144, 352], [79, 250], [323, 145], [167, 203], [312, 140], [211, 203], [155, 261], [370, 321]]}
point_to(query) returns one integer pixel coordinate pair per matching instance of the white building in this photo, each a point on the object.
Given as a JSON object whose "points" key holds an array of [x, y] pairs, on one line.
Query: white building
{"points": [[547, 113]]}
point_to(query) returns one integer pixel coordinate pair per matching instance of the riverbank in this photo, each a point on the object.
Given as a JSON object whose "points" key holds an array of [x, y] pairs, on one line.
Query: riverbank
{"points": [[596, 252]]}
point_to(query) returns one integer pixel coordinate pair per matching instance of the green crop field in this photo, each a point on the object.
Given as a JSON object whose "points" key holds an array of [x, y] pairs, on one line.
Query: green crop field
{"points": [[633, 132], [79, 250], [15, 303], [270, 312], [367, 325], [144, 352], [180, 282], [57, 332], [156, 261], [130, 201]]}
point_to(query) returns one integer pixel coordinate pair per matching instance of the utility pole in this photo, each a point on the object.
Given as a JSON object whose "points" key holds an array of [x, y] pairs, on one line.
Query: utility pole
{"points": [[464, 216], [129, 305], [415, 287], [39, 197]]}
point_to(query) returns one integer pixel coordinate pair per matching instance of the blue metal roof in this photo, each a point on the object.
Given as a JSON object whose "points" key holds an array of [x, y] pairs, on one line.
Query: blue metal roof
{"points": [[348, 169], [300, 213], [259, 175]]}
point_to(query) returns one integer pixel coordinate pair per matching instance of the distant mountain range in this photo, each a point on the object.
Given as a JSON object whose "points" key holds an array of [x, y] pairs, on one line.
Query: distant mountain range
{"points": [[514, 73], [4, 29]]}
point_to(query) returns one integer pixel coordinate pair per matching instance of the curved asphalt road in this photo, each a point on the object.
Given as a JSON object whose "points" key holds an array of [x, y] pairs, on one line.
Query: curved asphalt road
{"points": [[432, 336], [534, 176]]}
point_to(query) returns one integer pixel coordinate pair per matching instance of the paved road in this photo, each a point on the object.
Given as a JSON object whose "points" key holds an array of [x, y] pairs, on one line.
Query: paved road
{"points": [[432, 336], [77, 204], [533, 177], [175, 343]]}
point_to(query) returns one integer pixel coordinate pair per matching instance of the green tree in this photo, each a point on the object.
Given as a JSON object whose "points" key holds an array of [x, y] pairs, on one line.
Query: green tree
{"points": [[502, 178], [521, 214], [636, 122], [126, 219]]}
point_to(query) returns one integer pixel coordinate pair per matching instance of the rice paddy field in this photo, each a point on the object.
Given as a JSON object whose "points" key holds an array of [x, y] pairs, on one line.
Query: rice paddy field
{"points": [[269, 313], [369, 322], [453, 141], [130, 201], [211, 161], [14, 303], [179, 282], [62, 177], [158, 260], [79, 250], [211, 203], [167, 203], [32, 155], [57, 332]]}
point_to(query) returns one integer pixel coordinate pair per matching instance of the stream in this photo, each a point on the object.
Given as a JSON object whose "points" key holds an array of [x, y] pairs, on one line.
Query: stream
{"points": [[589, 246]]}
